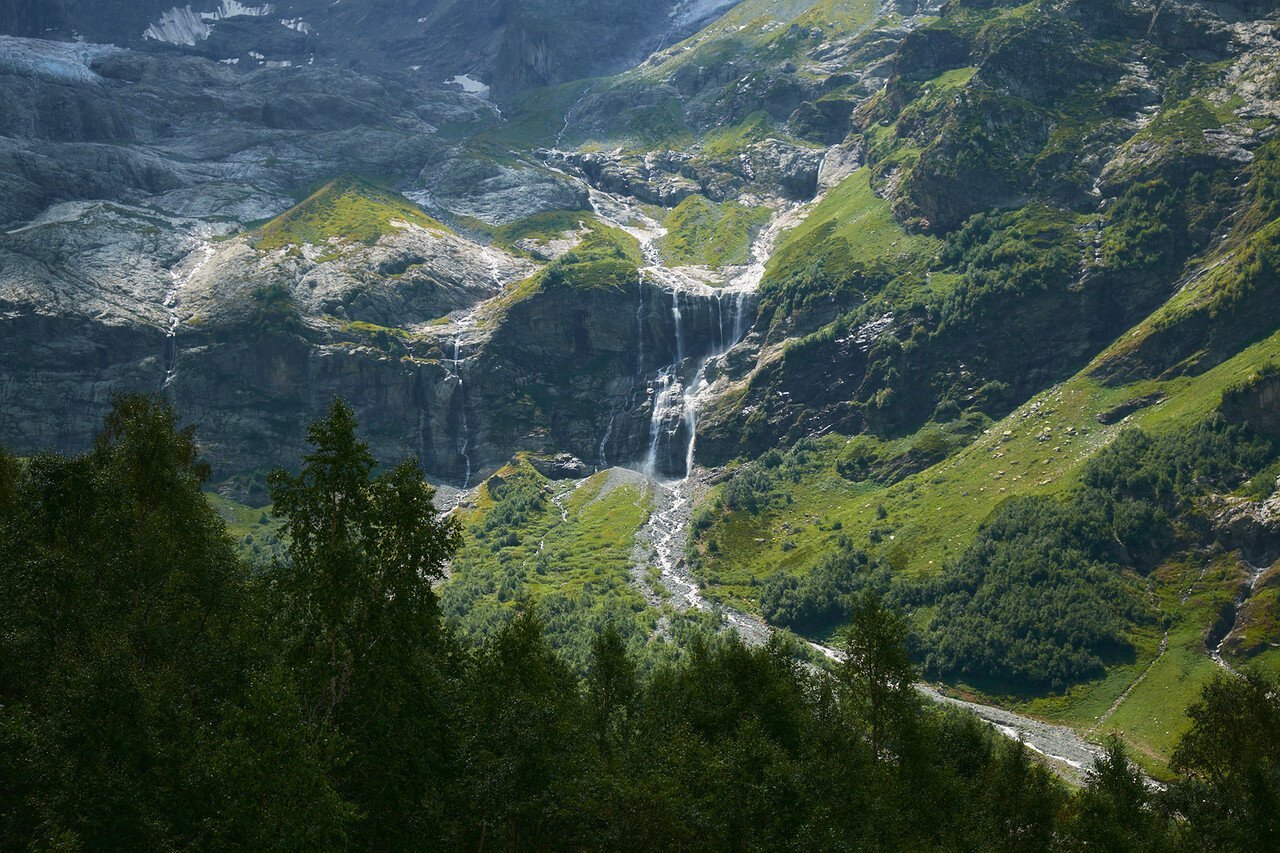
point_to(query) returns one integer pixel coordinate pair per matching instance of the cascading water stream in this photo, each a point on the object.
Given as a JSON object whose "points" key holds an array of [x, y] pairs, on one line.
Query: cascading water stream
{"points": [[674, 392], [676, 389], [171, 303], [665, 391], [464, 430], [604, 442]]}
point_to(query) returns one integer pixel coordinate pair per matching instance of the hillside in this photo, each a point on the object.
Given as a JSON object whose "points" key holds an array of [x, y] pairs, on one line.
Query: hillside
{"points": [[703, 317]]}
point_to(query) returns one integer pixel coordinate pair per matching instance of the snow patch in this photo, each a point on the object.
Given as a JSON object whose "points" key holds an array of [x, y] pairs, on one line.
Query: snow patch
{"points": [[296, 24], [469, 84], [236, 9], [183, 26], [179, 26]]}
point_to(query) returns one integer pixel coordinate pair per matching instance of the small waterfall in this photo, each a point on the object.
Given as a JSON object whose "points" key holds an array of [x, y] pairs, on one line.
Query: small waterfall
{"points": [[604, 442], [640, 332], [676, 318], [171, 302], [170, 352], [720, 318], [171, 333], [690, 415], [665, 394], [740, 316], [464, 430]]}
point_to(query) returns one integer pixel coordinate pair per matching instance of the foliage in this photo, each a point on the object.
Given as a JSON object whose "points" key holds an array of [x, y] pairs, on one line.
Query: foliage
{"points": [[850, 244], [877, 672], [815, 602], [361, 620], [1031, 601], [752, 486], [731, 141], [271, 309], [607, 257], [1043, 596], [1231, 762], [1009, 254], [1115, 809], [563, 553], [156, 693], [540, 227], [717, 235], [346, 209], [866, 457], [136, 695]]}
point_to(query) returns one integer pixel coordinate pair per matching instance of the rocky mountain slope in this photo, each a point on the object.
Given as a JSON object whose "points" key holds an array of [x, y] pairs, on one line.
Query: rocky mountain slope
{"points": [[825, 295], [502, 45]]}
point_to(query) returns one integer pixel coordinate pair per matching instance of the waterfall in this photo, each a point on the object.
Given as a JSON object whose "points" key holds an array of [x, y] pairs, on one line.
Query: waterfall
{"points": [[664, 391], [640, 332], [690, 415], [172, 298], [676, 318], [604, 442], [720, 318], [464, 430], [675, 390], [740, 316]]}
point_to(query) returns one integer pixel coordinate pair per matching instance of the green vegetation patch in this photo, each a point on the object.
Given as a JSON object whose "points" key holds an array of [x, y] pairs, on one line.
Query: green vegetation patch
{"points": [[562, 548], [607, 257], [259, 535], [850, 238], [347, 209], [717, 235], [541, 227], [729, 141], [1034, 249]]}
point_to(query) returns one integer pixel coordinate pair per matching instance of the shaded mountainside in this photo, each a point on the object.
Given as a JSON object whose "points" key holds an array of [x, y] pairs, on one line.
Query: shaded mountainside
{"points": [[506, 45], [969, 304]]}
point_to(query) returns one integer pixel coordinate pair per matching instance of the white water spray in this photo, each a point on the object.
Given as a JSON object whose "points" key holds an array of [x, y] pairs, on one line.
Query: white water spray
{"points": [[464, 430], [171, 303]]}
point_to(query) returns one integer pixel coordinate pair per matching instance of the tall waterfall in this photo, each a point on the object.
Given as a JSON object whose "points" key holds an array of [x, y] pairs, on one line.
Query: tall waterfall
{"points": [[464, 430], [675, 390]]}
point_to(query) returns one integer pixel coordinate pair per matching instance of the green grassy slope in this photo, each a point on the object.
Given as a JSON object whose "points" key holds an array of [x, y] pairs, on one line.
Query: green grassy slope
{"points": [[563, 548], [345, 209], [716, 235]]}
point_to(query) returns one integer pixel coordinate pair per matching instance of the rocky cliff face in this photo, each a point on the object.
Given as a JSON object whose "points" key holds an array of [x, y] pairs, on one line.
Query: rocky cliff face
{"points": [[508, 46]]}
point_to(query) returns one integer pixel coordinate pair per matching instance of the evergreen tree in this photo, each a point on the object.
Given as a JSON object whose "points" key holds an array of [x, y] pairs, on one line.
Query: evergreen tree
{"points": [[524, 744], [127, 661], [611, 690]]}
